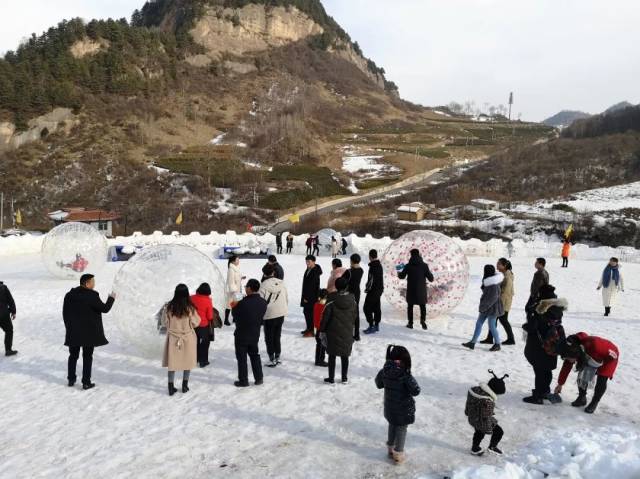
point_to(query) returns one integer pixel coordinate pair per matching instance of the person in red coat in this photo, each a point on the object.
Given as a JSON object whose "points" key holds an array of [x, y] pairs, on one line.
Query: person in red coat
{"points": [[204, 306], [318, 311], [593, 356]]}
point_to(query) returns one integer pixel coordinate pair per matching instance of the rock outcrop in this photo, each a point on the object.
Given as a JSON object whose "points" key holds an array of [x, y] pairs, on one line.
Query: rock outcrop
{"points": [[39, 127]]}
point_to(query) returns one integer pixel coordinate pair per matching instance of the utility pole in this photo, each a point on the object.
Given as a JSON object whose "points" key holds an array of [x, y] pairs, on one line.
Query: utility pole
{"points": [[1, 212], [510, 104]]}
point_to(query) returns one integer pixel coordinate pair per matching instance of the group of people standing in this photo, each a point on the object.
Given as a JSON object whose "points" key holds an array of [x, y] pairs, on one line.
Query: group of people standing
{"points": [[332, 317]]}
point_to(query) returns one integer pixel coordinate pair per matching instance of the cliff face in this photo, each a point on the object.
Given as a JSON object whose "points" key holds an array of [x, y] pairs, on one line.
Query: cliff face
{"points": [[257, 28], [251, 29]]}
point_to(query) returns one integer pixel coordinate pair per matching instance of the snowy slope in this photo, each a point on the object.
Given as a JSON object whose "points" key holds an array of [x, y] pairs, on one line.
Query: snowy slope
{"points": [[296, 426]]}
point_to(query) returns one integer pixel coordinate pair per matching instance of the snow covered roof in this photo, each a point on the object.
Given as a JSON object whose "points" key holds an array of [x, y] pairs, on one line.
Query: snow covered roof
{"points": [[83, 215], [481, 201], [412, 207]]}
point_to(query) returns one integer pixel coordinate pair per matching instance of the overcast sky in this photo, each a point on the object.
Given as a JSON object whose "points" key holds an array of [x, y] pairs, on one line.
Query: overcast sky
{"points": [[554, 54]]}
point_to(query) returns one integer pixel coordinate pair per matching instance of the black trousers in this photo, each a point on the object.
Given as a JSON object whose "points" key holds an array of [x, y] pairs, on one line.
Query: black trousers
{"points": [[320, 350], [316, 251], [272, 335], [279, 249], [87, 363], [423, 312], [289, 248], [227, 313], [543, 380], [565, 262], [204, 340], [307, 309], [496, 437], [344, 362], [372, 309], [356, 332], [7, 326], [504, 321], [242, 351]]}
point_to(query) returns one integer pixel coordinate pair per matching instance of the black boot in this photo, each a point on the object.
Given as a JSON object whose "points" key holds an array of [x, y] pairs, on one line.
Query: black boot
{"points": [[607, 310], [469, 345], [600, 389], [185, 386], [591, 408], [488, 340], [424, 325], [172, 389], [320, 357], [581, 400], [410, 325]]}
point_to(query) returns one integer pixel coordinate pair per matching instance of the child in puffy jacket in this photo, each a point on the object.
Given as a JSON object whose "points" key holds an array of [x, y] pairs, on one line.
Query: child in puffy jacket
{"points": [[481, 401], [400, 387], [318, 311]]}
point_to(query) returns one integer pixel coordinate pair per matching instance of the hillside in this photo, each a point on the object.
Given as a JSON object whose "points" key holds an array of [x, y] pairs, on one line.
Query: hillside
{"points": [[224, 109], [565, 118]]}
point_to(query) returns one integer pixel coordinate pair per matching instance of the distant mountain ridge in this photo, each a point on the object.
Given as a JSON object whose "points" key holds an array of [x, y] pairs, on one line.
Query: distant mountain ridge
{"points": [[565, 118]]}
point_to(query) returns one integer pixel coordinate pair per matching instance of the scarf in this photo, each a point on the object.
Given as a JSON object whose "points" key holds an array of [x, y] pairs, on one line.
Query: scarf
{"points": [[610, 273]]}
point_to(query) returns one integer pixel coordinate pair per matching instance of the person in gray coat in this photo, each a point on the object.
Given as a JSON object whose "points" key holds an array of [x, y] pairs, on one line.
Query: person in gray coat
{"points": [[490, 307], [336, 329]]}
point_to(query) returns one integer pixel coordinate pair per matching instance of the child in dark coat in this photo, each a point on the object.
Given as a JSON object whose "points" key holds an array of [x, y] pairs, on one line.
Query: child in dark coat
{"points": [[318, 311], [481, 401], [400, 387]]}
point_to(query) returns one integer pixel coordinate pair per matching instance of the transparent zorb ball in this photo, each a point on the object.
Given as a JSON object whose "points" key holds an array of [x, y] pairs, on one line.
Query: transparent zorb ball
{"points": [[447, 262], [147, 282], [73, 249]]}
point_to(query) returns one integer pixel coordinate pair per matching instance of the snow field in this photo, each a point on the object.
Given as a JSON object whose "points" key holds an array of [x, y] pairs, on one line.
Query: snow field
{"points": [[296, 426]]}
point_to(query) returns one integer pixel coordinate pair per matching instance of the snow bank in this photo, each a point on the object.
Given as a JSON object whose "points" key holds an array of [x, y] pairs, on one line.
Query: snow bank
{"points": [[544, 246], [606, 452]]}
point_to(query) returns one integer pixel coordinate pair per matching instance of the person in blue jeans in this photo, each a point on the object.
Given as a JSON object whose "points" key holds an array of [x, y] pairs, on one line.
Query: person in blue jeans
{"points": [[490, 307]]}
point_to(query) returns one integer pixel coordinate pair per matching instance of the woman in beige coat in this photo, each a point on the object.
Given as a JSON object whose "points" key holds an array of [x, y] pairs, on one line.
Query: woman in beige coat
{"points": [[180, 347], [506, 296], [233, 288]]}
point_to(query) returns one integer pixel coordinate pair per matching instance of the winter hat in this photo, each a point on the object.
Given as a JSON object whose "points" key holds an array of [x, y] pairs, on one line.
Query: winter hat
{"points": [[496, 384], [547, 292]]}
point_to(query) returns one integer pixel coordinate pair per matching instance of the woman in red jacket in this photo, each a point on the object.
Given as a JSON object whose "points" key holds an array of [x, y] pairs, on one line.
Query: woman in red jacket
{"points": [[204, 306], [593, 356]]}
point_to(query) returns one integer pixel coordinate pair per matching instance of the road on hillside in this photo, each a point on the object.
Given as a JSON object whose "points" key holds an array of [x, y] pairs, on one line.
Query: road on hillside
{"points": [[415, 182]]}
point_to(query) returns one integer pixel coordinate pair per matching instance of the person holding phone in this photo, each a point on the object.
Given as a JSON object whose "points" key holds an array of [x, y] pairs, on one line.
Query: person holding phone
{"points": [[82, 313]]}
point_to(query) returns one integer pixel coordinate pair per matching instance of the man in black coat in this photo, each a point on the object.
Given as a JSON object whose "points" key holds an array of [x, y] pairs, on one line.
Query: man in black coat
{"points": [[7, 315], [277, 268], [279, 243], [373, 289], [82, 313], [310, 292], [248, 316], [417, 273], [354, 274]]}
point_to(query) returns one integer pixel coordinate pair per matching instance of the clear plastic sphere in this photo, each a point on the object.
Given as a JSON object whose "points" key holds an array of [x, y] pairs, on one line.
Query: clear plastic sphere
{"points": [[73, 249], [324, 235], [147, 282], [447, 262]]}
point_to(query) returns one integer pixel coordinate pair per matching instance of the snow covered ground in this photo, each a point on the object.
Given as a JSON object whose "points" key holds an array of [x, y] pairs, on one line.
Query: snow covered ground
{"points": [[295, 426]]}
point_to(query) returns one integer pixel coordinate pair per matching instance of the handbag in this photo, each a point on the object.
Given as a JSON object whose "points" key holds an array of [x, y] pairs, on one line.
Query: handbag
{"points": [[216, 322]]}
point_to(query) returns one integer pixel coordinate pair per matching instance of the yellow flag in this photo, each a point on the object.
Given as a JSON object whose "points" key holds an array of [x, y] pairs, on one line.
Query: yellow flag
{"points": [[18, 217], [294, 219], [569, 232], [179, 218]]}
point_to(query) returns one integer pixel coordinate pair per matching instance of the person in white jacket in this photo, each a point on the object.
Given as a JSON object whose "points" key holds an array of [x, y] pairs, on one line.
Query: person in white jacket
{"points": [[335, 247], [274, 292], [610, 283], [234, 286]]}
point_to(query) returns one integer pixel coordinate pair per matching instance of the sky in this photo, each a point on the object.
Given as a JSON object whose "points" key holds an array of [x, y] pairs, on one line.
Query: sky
{"points": [[553, 54]]}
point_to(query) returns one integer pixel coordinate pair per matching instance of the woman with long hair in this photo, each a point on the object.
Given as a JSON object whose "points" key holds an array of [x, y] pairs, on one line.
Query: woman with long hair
{"points": [[506, 296], [490, 307], [611, 283], [181, 319], [234, 286]]}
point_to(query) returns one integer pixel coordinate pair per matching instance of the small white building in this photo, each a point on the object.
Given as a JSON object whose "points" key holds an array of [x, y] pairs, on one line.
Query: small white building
{"points": [[483, 204], [412, 212], [100, 219]]}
